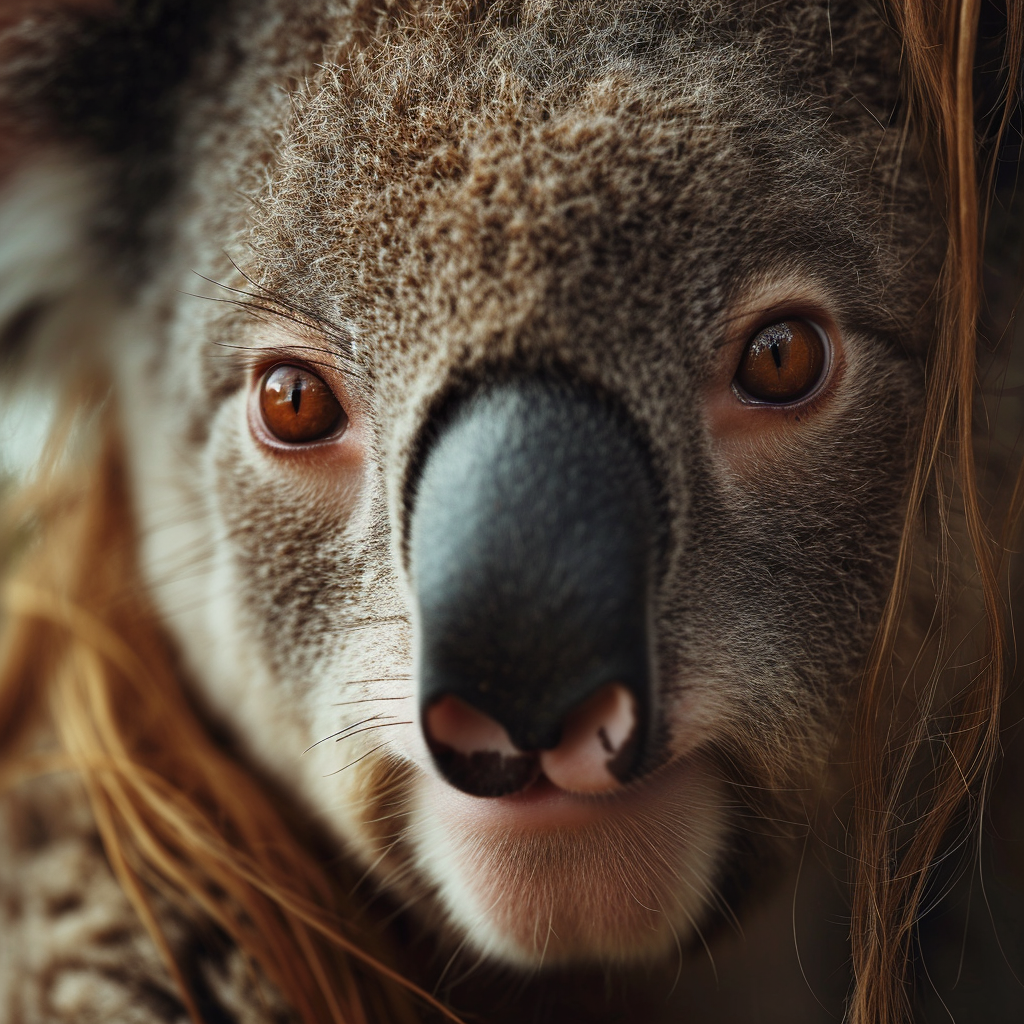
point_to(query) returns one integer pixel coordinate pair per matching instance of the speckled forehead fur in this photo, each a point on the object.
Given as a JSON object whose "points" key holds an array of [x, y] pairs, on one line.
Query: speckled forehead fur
{"points": [[571, 183]]}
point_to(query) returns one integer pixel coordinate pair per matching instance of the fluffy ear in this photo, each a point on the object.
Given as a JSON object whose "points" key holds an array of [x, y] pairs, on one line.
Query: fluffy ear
{"points": [[90, 93], [48, 189], [51, 297]]}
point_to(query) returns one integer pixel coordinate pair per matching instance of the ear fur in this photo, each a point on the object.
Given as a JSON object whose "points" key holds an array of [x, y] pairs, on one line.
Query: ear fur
{"points": [[51, 299], [91, 93]]}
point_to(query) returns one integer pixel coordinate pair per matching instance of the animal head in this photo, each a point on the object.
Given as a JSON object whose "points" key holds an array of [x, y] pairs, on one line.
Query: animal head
{"points": [[521, 404]]}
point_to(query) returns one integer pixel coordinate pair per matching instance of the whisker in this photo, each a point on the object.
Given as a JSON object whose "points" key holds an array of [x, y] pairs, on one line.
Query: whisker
{"points": [[263, 299], [370, 728], [351, 627], [356, 761], [448, 966], [341, 732], [373, 867], [376, 679], [260, 353], [367, 700]]}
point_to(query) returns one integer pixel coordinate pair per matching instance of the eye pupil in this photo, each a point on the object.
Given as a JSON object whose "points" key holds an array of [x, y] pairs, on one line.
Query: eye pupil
{"points": [[783, 362], [297, 406]]}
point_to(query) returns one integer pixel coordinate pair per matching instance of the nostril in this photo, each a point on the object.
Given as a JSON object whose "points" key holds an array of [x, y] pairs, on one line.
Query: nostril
{"points": [[594, 754], [596, 748], [460, 727], [474, 752]]}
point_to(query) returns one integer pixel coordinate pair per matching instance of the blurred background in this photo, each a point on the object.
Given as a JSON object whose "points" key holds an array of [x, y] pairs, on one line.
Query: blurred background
{"points": [[24, 423]]}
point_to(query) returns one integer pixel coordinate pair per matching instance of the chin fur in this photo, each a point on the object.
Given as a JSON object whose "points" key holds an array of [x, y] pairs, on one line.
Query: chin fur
{"points": [[630, 884]]}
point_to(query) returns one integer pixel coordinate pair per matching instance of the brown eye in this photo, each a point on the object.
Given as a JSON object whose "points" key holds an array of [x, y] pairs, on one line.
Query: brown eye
{"points": [[298, 406], [783, 362]]}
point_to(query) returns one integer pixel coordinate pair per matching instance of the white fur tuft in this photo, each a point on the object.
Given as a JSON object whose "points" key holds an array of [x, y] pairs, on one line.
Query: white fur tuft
{"points": [[47, 264]]}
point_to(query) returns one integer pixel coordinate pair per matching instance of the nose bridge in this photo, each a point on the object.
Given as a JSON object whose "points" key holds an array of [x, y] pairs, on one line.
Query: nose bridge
{"points": [[532, 546]]}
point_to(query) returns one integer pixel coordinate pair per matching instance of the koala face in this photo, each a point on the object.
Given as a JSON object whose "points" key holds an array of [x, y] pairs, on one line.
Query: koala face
{"points": [[526, 502]]}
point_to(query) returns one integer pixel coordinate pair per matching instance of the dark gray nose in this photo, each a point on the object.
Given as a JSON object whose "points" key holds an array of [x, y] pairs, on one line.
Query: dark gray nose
{"points": [[532, 553]]}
